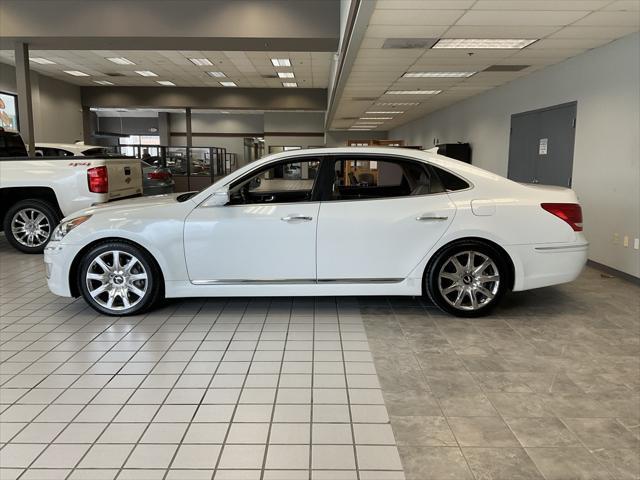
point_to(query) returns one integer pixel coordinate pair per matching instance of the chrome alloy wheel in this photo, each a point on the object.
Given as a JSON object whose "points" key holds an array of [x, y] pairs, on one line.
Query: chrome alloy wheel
{"points": [[30, 227], [117, 280], [469, 280]]}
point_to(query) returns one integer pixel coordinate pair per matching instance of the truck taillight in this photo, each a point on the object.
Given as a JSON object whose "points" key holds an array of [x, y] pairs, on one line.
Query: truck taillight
{"points": [[158, 175], [569, 212], [98, 179]]}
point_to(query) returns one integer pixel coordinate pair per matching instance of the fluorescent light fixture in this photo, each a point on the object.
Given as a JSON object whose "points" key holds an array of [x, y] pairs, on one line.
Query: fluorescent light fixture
{"points": [[394, 112], [474, 43], [397, 104], [285, 74], [42, 61], [438, 74], [76, 73], [201, 62], [120, 60], [146, 73], [216, 74], [166, 83], [103, 82], [368, 124], [376, 118], [289, 84], [281, 62], [228, 84], [412, 92]]}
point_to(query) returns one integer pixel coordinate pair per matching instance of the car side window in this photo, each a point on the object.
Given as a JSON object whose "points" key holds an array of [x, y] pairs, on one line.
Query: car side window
{"points": [[450, 182], [368, 178], [283, 182]]}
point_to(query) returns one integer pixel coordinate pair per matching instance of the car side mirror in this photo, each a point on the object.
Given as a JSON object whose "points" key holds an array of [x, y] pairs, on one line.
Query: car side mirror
{"points": [[218, 199]]}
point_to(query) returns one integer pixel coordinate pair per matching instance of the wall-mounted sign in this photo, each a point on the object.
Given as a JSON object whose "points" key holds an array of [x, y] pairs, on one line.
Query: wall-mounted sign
{"points": [[542, 146], [8, 111]]}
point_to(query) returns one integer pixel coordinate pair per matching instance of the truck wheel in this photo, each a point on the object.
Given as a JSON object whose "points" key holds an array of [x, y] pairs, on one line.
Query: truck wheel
{"points": [[118, 278], [28, 225]]}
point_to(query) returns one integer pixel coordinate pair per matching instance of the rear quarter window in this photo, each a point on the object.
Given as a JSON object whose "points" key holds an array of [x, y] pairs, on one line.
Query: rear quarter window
{"points": [[451, 182]]}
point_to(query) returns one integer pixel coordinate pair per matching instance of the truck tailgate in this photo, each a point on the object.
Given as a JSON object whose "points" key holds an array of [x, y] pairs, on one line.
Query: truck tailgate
{"points": [[125, 177]]}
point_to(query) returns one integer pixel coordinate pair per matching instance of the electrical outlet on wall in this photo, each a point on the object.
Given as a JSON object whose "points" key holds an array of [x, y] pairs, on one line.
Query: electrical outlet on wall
{"points": [[625, 241], [636, 243], [616, 238]]}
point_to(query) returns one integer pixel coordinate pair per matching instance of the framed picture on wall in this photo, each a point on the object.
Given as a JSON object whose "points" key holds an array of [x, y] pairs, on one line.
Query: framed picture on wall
{"points": [[9, 111]]}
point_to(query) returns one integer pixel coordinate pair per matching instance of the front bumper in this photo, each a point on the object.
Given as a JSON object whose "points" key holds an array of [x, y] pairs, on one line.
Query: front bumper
{"points": [[57, 261]]}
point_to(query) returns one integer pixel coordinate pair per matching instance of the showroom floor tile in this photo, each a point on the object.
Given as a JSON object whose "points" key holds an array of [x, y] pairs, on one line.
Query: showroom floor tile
{"points": [[548, 387], [218, 388]]}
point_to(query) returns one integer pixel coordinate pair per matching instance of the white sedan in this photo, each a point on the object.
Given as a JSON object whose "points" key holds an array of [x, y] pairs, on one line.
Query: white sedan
{"points": [[354, 221]]}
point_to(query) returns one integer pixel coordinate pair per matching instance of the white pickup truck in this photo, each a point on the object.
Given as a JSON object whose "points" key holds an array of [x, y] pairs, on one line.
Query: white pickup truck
{"points": [[37, 192]]}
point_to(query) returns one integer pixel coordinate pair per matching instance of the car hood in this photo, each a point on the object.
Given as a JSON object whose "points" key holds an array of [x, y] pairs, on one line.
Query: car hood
{"points": [[130, 205]]}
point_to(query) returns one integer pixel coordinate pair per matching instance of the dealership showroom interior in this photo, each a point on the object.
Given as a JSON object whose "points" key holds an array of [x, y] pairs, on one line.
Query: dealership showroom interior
{"points": [[320, 239]]}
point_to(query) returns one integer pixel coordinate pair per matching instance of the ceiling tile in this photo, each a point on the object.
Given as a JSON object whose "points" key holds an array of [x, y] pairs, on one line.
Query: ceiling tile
{"points": [[510, 18]]}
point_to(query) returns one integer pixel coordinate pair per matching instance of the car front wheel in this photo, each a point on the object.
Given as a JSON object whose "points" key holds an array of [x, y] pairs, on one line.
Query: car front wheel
{"points": [[118, 278], [467, 278]]}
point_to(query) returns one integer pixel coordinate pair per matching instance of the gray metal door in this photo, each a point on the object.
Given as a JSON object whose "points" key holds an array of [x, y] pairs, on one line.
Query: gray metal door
{"points": [[541, 145]]}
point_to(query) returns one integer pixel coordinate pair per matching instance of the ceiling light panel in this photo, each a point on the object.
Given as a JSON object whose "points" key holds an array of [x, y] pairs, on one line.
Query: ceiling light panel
{"points": [[438, 74], [216, 74], [289, 84], [285, 74], [120, 61], [228, 84], [376, 118], [281, 62], [398, 104], [479, 43], [146, 73], [103, 82], [42, 61], [412, 92], [76, 73], [166, 83], [394, 112], [201, 62]]}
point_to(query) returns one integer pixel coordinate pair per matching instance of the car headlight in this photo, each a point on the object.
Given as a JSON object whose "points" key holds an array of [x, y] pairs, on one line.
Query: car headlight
{"points": [[65, 227]]}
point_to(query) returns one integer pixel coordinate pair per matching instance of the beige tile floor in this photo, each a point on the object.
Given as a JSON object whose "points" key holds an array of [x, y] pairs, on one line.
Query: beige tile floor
{"points": [[546, 388]]}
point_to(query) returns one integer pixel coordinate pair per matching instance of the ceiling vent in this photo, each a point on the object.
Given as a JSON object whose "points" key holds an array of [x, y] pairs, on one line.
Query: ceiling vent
{"points": [[114, 74], [269, 76], [505, 68], [406, 43], [349, 118], [364, 99]]}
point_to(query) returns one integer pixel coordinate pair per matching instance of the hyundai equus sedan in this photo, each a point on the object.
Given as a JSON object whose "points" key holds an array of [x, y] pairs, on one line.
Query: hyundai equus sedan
{"points": [[352, 221]]}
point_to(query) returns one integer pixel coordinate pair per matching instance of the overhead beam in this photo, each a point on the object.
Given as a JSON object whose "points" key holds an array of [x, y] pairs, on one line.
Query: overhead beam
{"points": [[241, 25], [314, 99]]}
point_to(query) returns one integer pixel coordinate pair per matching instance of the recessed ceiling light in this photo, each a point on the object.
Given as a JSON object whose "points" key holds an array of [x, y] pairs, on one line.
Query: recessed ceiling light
{"points": [[102, 82], [399, 104], [394, 112], [166, 83], [216, 74], [438, 74], [473, 43], [76, 73], [285, 74], [42, 61], [201, 62], [376, 118], [228, 84], [120, 60], [412, 92], [281, 62], [289, 84], [146, 73]]}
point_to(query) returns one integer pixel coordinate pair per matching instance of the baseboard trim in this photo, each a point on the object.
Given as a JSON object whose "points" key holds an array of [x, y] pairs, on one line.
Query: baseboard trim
{"points": [[614, 272]]}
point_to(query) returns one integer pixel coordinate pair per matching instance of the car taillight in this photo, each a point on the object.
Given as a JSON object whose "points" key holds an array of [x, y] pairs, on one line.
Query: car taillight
{"points": [[569, 212], [158, 175], [98, 179]]}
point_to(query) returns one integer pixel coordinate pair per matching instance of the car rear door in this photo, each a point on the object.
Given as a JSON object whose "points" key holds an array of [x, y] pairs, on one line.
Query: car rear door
{"points": [[380, 218]]}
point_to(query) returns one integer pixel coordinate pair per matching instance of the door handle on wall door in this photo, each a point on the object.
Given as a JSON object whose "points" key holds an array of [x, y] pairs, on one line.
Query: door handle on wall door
{"points": [[298, 218], [431, 218]]}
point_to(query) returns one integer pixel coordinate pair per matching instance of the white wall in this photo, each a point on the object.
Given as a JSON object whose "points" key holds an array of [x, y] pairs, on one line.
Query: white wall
{"points": [[57, 110], [606, 170]]}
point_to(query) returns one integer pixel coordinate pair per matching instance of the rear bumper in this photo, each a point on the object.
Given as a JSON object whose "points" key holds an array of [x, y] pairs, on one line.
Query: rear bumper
{"points": [[548, 264]]}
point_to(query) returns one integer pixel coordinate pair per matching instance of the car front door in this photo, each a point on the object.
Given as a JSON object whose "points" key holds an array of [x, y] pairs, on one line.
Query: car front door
{"points": [[265, 234], [379, 218]]}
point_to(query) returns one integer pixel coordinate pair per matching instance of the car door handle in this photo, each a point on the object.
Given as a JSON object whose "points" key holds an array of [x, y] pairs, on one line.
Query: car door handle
{"points": [[296, 218], [431, 218]]}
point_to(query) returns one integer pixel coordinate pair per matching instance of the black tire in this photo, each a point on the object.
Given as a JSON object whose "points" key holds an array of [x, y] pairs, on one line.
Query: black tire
{"points": [[153, 293], [436, 286], [30, 205]]}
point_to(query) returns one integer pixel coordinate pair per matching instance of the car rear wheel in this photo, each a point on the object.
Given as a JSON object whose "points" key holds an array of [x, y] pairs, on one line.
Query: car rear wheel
{"points": [[28, 225], [467, 278], [118, 278]]}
